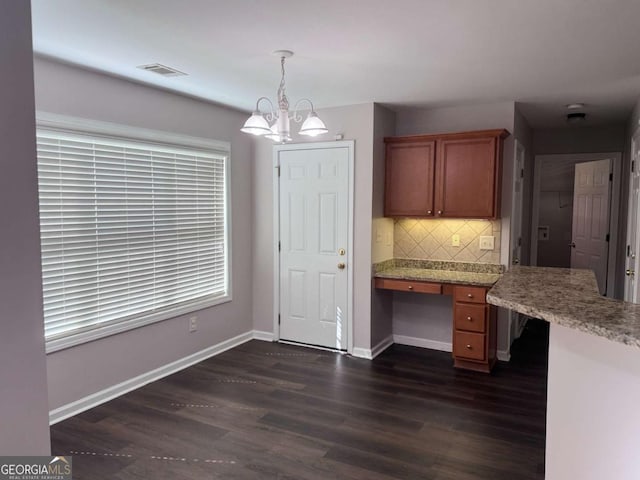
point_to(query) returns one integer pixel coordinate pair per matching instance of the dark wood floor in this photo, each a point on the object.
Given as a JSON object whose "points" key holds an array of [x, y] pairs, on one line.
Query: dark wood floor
{"points": [[272, 411]]}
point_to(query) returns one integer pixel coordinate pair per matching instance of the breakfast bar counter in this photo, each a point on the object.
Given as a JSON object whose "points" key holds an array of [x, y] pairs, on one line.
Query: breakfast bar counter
{"points": [[593, 386]]}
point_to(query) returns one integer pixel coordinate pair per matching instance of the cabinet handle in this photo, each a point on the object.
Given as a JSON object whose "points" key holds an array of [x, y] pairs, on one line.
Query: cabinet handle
{"points": [[469, 346], [410, 287], [469, 295], [469, 319], [429, 212], [439, 212]]}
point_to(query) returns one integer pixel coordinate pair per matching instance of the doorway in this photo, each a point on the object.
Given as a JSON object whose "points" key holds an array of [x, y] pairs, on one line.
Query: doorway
{"points": [[553, 212], [313, 201]]}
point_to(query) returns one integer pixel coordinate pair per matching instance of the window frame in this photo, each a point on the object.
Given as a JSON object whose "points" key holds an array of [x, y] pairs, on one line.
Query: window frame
{"points": [[76, 125]]}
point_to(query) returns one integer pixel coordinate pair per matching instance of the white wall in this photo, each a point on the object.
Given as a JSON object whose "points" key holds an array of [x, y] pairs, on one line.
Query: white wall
{"points": [[91, 367], [412, 121], [355, 122], [593, 425], [24, 419]]}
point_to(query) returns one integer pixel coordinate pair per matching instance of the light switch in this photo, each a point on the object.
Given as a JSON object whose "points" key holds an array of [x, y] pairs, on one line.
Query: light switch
{"points": [[455, 240], [486, 242]]}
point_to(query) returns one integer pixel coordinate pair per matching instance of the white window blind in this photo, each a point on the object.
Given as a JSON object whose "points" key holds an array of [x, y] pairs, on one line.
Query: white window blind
{"points": [[129, 230]]}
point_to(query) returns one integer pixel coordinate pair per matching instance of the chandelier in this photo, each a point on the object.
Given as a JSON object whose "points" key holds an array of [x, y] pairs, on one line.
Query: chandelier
{"points": [[280, 120]]}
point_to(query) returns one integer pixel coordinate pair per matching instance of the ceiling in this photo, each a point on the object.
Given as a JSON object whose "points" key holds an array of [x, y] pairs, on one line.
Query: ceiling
{"points": [[406, 53]]}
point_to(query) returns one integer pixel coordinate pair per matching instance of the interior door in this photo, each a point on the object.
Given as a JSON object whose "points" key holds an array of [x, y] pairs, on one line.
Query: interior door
{"points": [[630, 284], [314, 234], [590, 227]]}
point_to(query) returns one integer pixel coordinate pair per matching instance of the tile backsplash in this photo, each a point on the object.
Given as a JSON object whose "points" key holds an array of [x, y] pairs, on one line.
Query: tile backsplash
{"points": [[431, 239]]}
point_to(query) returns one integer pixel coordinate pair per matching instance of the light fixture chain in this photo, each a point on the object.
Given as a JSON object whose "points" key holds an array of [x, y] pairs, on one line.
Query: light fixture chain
{"points": [[283, 101]]}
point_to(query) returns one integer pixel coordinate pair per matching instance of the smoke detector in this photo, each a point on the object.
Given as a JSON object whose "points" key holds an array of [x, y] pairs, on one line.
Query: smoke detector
{"points": [[161, 70]]}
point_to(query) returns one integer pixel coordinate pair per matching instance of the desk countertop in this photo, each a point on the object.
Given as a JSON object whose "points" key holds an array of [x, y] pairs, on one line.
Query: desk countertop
{"points": [[457, 273], [567, 297]]}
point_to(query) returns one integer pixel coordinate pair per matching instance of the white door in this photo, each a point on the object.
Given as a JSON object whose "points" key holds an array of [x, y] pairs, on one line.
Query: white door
{"points": [[314, 238], [590, 227], [630, 284]]}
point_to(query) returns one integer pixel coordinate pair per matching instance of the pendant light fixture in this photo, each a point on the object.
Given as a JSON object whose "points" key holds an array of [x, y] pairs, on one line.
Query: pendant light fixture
{"points": [[275, 125]]}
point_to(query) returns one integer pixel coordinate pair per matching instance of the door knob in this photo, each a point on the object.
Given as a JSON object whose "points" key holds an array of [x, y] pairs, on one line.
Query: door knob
{"points": [[341, 266], [516, 261], [630, 273], [572, 245]]}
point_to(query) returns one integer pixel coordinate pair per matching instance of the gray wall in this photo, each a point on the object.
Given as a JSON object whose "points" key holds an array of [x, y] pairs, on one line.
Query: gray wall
{"points": [[384, 125], [423, 315], [24, 420], [355, 122], [91, 367]]}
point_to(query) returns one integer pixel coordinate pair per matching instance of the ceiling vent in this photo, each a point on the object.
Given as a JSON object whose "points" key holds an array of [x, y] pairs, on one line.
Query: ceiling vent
{"points": [[161, 70]]}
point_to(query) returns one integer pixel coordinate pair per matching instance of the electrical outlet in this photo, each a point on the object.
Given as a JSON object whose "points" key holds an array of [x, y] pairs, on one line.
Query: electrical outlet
{"points": [[193, 324], [455, 240], [486, 242]]}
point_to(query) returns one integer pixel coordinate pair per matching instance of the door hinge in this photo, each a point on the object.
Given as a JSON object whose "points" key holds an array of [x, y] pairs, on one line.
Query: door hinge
{"points": [[633, 166], [608, 237], [611, 177], [278, 169], [279, 246], [278, 319], [519, 241], [522, 173]]}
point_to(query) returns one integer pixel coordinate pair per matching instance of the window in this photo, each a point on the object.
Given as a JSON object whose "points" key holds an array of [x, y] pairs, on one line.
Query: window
{"points": [[134, 229]]}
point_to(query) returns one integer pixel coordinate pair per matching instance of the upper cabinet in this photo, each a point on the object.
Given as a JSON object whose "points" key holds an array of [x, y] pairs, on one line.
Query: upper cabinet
{"points": [[454, 175]]}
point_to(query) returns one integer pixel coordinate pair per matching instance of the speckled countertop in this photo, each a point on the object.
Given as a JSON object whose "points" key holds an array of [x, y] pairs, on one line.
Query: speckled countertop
{"points": [[460, 273], [567, 297]]}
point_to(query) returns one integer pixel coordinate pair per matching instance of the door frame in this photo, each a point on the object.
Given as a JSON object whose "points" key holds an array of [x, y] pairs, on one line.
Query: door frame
{"points": [[614, 205], [350, 145], [629, 296]]}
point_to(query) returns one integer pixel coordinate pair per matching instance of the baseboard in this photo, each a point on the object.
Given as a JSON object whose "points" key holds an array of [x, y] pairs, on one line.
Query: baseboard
{"points": [[503, 355], [264, 336], [95, 399], [423, 343], [382, 346], [362, 353]]}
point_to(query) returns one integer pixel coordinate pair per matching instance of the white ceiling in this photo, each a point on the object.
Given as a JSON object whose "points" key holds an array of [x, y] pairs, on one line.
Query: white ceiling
{"points": [[421, 53]]}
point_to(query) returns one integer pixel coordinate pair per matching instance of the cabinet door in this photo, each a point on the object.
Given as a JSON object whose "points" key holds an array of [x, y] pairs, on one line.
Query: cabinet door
{"points": [[466, 178], [409, 179]]}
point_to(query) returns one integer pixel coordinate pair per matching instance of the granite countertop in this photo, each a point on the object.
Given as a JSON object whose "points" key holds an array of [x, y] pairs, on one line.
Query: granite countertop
{"points": [[567, 297], [458, 273]]}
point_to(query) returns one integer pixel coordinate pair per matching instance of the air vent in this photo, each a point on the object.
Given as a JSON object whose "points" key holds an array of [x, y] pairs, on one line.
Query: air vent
{"points": [[161, 70]]}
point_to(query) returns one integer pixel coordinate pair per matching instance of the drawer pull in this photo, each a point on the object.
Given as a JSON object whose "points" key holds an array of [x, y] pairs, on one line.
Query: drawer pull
{"points": [[469, 346], [469, 295], [469, 319], [410, 287]]}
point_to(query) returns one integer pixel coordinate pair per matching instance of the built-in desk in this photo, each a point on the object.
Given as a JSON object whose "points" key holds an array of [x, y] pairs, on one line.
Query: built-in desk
{"points": [[473, 322]]}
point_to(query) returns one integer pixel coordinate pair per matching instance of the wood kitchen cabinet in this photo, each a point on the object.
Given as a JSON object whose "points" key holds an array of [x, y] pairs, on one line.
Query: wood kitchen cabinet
{"points": [[474, 329], [455, 175]]}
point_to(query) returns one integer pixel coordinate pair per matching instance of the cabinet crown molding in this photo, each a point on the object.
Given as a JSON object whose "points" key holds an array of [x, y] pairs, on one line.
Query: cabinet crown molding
{"points": [[498, 133]]}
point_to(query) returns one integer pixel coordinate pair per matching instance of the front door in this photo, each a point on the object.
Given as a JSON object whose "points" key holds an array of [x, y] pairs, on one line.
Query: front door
{"points": [[314, 238], [590, 227]]}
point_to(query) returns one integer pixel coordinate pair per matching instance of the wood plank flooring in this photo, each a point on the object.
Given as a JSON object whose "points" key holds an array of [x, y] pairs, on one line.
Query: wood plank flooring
{"points": [[274, 411]]}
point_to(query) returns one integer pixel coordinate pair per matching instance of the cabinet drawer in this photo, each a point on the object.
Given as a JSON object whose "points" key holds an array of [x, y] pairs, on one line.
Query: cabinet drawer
{"points": [[470, 294], [470, 317], [469, 345], [409, 286]]}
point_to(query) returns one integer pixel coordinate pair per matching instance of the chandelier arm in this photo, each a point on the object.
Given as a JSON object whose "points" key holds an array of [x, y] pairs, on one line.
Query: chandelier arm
{"points": [[295, 116], [271, 114]]}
